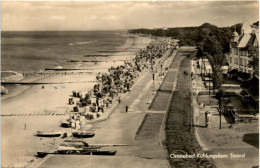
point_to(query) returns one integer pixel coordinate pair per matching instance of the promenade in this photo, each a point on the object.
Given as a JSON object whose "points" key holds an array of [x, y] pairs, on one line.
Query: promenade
{"points": [[163, 119], [124, 130]]}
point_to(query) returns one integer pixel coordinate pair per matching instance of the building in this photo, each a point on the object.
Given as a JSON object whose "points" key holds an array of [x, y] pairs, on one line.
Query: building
{"points": [[240, 47], [175, 43], [165, 28]]}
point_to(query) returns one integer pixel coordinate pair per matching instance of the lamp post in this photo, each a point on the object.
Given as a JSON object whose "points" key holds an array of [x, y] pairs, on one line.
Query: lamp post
{"points": [[151, 60], [219, 119], [204, 69], [209, 82], [220, 107], [201, 67]]}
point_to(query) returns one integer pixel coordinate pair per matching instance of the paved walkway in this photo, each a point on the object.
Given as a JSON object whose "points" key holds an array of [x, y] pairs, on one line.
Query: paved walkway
{"points": [[102, 162], [225, 140], [121, 128]]}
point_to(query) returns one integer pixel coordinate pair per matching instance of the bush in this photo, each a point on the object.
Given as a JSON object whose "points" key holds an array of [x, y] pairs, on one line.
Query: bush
{"points": [[233, 71], [243, 75]]}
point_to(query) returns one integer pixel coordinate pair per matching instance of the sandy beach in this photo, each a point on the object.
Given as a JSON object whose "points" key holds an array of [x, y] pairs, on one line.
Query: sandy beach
{"points": [[127, 132], [33, 103]]}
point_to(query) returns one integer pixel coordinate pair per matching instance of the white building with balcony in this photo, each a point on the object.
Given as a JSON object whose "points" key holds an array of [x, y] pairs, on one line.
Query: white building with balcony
{"points": [[240, 47]]}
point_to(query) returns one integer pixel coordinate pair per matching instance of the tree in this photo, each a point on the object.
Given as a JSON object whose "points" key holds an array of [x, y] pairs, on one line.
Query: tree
{"points": [[256, 23], [212, 49], [254, 62], [194, 35], [199, 52]]}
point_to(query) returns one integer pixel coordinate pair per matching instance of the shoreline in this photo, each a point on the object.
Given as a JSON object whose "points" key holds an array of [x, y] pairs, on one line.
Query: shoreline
{"points": [[36, 100], [36, 77], [125, 134]]}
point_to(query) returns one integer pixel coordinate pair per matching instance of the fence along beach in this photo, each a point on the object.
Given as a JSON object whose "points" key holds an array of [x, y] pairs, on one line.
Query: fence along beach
{"points": [[37, 100]]}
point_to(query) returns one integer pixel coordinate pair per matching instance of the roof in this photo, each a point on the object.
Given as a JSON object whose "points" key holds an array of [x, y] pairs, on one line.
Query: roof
{"points": [[257, 34], [235, 34], [246, 27], [252, 88], [244, 41], [248, 35]]}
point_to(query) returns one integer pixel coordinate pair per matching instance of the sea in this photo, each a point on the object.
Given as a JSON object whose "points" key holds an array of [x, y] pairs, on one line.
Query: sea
{"points": [[25, 52]]}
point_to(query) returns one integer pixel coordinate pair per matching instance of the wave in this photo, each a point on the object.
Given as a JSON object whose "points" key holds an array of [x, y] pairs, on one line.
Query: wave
{"points": [[80, 43], [11, 76], [96, 55]]}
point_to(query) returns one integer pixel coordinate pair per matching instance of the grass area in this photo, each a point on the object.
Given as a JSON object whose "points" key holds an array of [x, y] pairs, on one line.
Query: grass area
{"points": [[180, 55], [180, 137], [150, 128], [160, 100]]}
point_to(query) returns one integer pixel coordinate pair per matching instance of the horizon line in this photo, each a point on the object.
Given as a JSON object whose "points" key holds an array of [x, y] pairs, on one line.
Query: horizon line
{"points": [[127, 29]]}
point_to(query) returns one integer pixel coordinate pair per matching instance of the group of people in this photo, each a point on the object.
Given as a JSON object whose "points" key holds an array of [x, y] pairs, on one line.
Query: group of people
{"points": [[120, 79]]}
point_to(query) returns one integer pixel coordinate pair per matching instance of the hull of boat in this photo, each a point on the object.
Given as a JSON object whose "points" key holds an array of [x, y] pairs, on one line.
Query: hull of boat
{"points": [[101, 152], [74, 152], [43, 154], [65, 125], [83, 135], [48, 133]]}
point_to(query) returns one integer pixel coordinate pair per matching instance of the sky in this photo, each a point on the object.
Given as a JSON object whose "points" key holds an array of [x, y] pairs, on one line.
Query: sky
{"points": [[104, 15]]}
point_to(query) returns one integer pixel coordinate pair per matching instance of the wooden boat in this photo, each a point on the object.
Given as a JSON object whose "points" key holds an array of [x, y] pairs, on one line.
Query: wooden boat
{"points": [[62, 150], [83, 134], [104, 152], [75, 144], [44, 153], [73, 140], [65, 124], [66, 152], [79, 143], [75, 152], [49, 133]]}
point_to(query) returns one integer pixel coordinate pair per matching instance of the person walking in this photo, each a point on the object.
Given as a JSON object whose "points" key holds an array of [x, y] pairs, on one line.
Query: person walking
{"points": [[126, 108], [119, 100]]}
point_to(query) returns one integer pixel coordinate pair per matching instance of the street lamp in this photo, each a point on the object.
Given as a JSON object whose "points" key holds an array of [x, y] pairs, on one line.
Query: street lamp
{"points": [[209, 84]]}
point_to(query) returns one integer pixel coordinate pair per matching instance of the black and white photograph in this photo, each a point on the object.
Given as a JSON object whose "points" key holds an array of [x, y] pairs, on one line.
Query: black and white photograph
{"points": [[129, 84]]}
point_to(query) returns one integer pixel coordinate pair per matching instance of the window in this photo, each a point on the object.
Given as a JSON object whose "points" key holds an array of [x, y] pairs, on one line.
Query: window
{"points": [[241, 61], [243, 53], [236, 51], [236, 61], [230, 60], [245, 62]]}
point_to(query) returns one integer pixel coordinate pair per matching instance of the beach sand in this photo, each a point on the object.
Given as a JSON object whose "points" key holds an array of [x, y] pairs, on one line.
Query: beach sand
{"points": [[19, 145]]}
